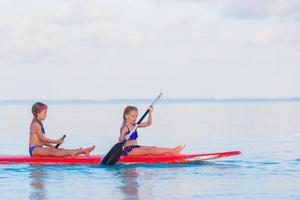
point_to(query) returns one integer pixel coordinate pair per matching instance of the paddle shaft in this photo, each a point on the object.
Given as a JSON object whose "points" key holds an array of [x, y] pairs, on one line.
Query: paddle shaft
{"points": [[63, 137]]}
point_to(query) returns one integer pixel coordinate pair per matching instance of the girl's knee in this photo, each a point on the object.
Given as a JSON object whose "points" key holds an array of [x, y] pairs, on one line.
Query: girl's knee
{"points": [[53, 152]]}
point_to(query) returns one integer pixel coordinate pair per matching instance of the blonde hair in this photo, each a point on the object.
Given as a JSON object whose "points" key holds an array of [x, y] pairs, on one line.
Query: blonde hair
{"points": [[127, 110]]}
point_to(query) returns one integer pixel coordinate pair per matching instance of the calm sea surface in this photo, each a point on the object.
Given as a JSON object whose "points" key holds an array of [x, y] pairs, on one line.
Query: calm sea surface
{"points": [[267, 133]]}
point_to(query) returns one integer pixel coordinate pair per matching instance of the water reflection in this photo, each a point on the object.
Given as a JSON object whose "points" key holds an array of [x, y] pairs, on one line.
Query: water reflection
{"points": [[130, 185], [37, 184]]}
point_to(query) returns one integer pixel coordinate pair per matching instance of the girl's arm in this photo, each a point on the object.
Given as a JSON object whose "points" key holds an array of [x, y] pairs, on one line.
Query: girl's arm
{"points": [[124, 130], [42, 137], [149, 121], [49, 145]]}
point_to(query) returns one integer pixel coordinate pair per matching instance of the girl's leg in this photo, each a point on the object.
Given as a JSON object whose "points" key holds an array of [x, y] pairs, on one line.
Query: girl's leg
{"points": [[146, 150], [41, 151], [88, 150]]}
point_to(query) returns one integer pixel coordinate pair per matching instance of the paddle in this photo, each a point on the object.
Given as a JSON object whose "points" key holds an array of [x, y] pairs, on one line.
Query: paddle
{"points": [[63, 137], [115, 152]]}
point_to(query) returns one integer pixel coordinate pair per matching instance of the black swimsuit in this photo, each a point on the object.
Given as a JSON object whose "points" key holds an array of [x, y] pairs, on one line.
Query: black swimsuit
{"points": [[128, 149]]}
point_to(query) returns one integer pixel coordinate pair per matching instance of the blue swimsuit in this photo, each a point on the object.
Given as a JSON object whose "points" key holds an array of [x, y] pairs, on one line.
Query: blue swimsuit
{"points": [[133, 136], [31, 149]]}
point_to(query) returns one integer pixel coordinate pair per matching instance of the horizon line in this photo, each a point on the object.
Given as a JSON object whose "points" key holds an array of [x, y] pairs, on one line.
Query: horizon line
{"points": [[146, 100]]}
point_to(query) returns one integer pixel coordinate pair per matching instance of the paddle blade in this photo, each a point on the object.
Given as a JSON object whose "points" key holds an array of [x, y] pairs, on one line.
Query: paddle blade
{"points": [[113, 155]]}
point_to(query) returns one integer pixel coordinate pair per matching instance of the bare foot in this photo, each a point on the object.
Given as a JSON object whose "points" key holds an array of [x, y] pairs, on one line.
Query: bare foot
{"points": [[178, 149], [77, 152], [88, 150]]}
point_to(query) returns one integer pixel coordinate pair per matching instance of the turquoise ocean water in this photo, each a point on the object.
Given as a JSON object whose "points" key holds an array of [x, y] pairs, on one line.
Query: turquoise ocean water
{"points": [[267, 131]]}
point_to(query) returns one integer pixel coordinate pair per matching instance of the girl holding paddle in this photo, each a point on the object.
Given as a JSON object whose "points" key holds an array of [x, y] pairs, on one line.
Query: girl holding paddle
{"points": [[131, 147], [38, 139]]}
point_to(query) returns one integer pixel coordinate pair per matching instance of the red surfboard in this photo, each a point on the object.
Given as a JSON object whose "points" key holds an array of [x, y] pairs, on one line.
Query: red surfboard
{"points": [[94, 160]]}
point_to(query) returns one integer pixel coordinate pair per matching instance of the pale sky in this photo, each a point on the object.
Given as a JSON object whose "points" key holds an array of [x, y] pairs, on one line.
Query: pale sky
{"points": [[95, 49]]}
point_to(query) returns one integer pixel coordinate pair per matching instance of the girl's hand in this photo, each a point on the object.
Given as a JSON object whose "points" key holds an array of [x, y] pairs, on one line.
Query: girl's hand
{"points": [[151, 109], [60, 141], [121, 139]]}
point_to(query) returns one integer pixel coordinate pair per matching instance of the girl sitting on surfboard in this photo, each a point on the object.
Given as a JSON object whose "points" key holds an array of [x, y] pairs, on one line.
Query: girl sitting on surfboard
{"points": [[131, 148], [38, 139]]}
